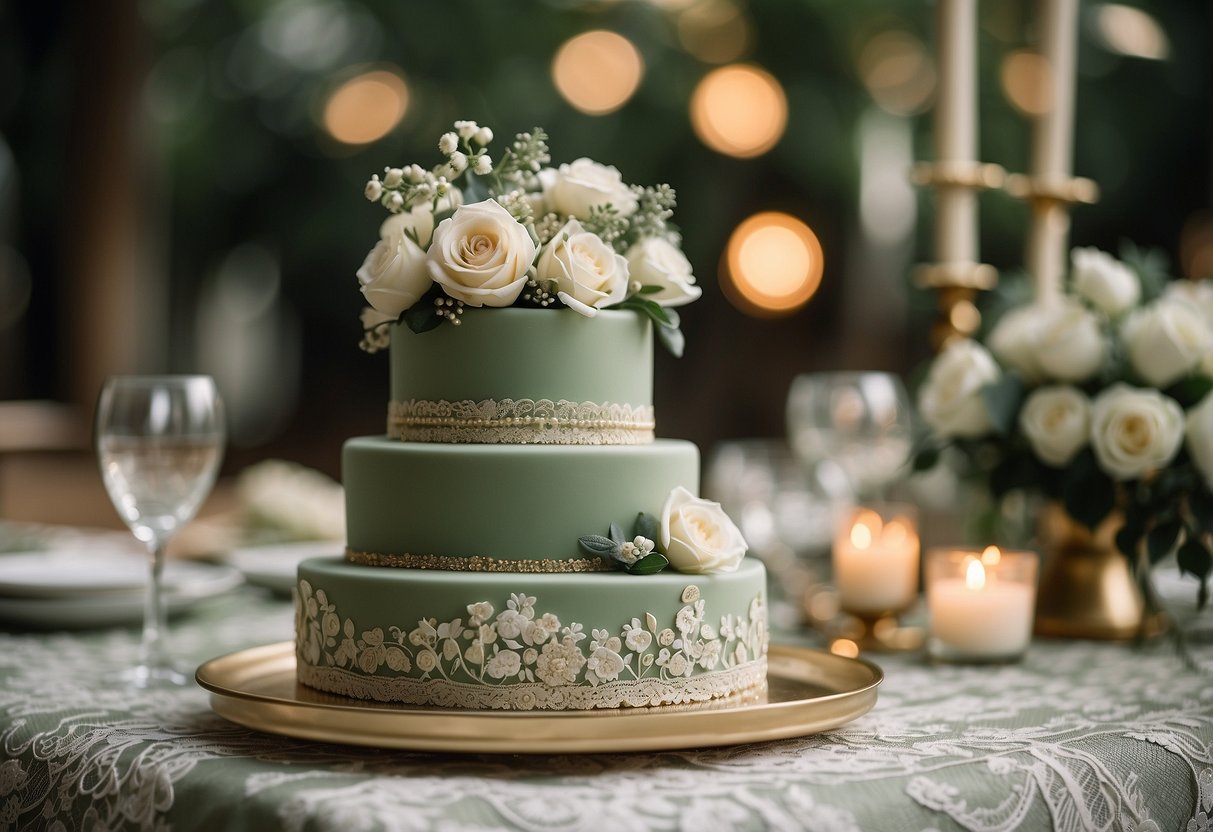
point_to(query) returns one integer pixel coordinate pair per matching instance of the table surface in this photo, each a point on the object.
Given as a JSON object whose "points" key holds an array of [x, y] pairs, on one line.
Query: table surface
{"points": [[1080, 735]]}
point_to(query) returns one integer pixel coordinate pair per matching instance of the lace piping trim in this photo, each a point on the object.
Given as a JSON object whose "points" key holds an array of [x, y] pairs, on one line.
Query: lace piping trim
{"points": [[520, 422], [476, 563], [529, 696]]}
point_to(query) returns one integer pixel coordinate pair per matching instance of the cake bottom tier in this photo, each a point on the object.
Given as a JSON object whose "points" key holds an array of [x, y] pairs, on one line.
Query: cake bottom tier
{"points": [[529, 641]]}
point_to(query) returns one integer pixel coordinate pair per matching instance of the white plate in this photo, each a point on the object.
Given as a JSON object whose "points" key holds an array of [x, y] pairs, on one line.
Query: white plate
{"points": [[185, 584], [69, 571], [274, 567]]}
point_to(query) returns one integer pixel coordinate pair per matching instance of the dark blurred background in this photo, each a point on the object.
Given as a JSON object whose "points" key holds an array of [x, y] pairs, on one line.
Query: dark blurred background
{"points": [[180, 180]]}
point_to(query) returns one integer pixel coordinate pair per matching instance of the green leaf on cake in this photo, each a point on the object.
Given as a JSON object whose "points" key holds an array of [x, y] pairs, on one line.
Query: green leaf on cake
{"points": [[597, 545], [650, 290], [421, 317], [649, 565], [672, 339], [647, 526], [474, 190], [616, 534]]}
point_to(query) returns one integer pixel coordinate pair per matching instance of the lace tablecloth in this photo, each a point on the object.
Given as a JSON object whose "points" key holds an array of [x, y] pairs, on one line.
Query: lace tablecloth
{"points": [[1080, 735]]}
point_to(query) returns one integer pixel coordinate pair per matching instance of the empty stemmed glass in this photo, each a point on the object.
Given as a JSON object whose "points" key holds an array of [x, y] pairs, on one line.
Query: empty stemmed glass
{"points": [[860, 421], [159, 443]]}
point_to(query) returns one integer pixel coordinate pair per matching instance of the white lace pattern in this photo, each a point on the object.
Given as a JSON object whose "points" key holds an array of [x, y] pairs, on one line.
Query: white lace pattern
{"points": [[521, 658], [520, 422]]}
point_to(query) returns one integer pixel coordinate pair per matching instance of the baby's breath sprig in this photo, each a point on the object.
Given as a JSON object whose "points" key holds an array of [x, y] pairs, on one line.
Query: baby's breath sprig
{"points": [[609, 225], [517, 204], [654, 208], [541, 293], [522, 160], [402, 189], [547, 227]]}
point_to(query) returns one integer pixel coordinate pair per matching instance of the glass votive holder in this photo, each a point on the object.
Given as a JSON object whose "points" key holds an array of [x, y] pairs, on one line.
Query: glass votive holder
{"points": [[875, 559], [980, 603]]}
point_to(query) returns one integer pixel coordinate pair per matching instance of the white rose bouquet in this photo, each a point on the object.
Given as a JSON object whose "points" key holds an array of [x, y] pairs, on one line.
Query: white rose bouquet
{"points": [[519, 232], [1102, 401]]}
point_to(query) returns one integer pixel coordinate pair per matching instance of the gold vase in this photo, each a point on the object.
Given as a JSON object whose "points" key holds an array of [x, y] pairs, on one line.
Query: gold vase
{"points": [[1087, 586]]}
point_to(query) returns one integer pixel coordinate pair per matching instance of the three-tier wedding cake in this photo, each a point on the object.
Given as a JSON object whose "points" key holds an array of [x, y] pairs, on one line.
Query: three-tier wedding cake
{"points": [[477, 572]]}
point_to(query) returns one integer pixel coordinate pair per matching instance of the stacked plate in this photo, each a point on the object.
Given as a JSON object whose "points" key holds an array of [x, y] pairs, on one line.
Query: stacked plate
{"points": [[274, 566], [80, 587]]}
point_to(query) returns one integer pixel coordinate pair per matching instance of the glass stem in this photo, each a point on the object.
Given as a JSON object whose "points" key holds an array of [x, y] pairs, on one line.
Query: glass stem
{"points": [[153, 652]]}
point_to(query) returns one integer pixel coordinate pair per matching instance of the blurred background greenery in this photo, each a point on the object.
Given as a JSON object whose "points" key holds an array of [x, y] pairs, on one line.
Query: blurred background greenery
{"points": [[180, 180]]}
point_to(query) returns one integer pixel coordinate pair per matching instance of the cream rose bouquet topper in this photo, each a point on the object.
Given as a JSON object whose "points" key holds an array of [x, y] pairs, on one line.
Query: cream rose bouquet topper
{"points": [[476, 232], [1102, 400]]}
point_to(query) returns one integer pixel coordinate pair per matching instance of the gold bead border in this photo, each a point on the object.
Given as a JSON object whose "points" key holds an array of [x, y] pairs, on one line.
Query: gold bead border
{"points": [[476, 563]]}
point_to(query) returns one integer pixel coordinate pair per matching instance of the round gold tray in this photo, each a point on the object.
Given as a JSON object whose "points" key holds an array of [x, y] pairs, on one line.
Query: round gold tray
{"points": [[807, 691]]}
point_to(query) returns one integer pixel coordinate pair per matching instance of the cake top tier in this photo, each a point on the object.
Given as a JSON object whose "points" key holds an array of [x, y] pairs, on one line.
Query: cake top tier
{"points": [[525, 376]]}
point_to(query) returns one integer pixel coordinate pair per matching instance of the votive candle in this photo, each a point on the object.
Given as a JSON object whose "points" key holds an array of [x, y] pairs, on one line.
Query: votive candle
{"points": [[876, 560], [980, 603]]}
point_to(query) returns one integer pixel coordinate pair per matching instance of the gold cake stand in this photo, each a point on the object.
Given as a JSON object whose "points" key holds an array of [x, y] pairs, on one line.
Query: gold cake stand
{"points": [[807, 691]]}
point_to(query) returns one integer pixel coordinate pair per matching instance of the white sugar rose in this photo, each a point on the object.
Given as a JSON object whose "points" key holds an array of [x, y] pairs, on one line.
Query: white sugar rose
{"points": [[1105, 281], [579, 186], [1199, 431], [1013, 341], [1070, 345], [950, 399], [589, 274], [1135, 431], [1166, 340], [394, 274], [697, 536], [481, 255], [1057, 422], [657, 262]]}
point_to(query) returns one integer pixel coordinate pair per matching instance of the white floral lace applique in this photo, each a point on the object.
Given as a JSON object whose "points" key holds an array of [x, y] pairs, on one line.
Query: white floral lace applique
{"points": [[524, 659]]}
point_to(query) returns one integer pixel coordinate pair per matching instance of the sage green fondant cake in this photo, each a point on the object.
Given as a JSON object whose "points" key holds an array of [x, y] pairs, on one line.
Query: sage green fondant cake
{"points": [[525, 641], [511, 502], [519, 539]]}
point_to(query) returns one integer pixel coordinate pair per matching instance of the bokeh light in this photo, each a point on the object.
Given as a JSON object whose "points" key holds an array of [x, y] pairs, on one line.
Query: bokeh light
{"points": [[1025, 82], [773, 265], [366, 107], [715, 31], [1130, 31], [739, 110], [897, 71], [597, 72]]}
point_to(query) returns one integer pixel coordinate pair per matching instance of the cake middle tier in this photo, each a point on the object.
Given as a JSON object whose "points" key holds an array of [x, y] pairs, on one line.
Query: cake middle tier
{"points": [[502, 502]]}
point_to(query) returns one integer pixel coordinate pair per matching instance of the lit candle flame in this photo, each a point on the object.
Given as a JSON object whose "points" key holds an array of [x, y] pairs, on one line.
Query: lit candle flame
{"points": [[991, 556], [861, 536], [975, 575]]}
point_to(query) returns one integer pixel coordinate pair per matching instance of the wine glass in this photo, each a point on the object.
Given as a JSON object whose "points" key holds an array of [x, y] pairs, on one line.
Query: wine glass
{"points": [[860, 421], [159, 443]]}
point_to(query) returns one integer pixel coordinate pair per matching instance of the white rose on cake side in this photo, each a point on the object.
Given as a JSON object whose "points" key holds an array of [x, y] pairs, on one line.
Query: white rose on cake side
{"points": [[394, 275], [1135, 431], [1166, 340], [1057, 422], [697, 536], [588, 273], [1105, 281], [481, 255], [1199, 430], [1013, 341], [951, 399], [656, 262], [582, 185], [1070, 345]]}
